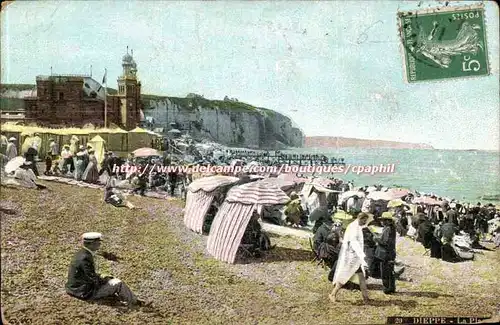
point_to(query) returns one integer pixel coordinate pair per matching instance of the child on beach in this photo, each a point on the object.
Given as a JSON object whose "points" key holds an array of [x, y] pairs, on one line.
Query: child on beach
{"points": [[48, 163]]}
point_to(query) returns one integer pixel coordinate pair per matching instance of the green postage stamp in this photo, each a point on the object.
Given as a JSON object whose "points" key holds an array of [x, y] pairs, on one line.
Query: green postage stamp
{"points": [[443, 43]]}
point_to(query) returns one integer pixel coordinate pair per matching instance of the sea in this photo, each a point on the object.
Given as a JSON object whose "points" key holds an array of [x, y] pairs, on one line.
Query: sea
{"points": [[467, 176]]}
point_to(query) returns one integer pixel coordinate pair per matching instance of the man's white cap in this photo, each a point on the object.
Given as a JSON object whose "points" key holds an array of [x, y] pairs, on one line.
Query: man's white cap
{"points": [[12, 139], [92, 236]]}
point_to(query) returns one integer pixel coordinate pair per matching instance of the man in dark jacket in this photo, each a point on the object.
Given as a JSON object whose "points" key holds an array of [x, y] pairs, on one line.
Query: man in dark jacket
{"points": [[386, 252], [322, 232], [86, 284], [105, 165], [426, 237]]}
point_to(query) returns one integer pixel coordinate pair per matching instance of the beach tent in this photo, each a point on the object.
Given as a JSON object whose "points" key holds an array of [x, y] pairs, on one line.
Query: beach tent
{"points": [[27, 143], [284, 185], [117, 140], [200, 195], [138, 138], [98, 144], [235, 213]]}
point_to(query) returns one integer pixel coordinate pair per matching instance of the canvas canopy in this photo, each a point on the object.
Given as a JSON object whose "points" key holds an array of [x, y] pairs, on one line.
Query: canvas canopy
{"points": [[98, 145], [201, 193], [235, 213]]}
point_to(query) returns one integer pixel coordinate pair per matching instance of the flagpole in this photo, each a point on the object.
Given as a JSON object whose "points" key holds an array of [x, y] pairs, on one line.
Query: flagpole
{"points": [[105, 100]]}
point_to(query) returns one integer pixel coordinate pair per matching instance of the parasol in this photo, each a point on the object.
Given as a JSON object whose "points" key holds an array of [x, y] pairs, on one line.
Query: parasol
{"points": [[14, 164], [380, 196], [426, 200], [211, 183], [343, 217], [397, 193], [145, 152], [260, 192], [346, 195], [396, 203], [321, 181], [294, 178]]}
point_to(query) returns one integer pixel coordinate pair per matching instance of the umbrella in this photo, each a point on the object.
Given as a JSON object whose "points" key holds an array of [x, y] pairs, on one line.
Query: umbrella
{"points": [[257, 193], [397, 193], [145, 152], [371, 189], [426, 200], [346, 195], [396, 203], [211, 183], [325, 182], [292, 177], [342, 215], [14, 164], [379, 196]]}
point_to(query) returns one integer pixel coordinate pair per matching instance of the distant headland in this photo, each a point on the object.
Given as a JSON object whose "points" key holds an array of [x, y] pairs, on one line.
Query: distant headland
{"points": [[341, 142]]}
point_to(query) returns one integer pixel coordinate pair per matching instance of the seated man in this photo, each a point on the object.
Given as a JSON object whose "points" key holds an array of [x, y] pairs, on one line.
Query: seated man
{"points": [[86, 284], [293, 211], [320, 214], [322, 233], [255, 238]]}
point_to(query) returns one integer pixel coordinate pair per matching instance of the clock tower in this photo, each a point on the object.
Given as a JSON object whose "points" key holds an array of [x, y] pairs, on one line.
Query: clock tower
{"points": [[129, 92]]}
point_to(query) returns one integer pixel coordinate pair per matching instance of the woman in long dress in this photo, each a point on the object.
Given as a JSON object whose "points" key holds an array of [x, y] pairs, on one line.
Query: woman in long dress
{"points": [[351, 259], [79, 166], [91, 174]]}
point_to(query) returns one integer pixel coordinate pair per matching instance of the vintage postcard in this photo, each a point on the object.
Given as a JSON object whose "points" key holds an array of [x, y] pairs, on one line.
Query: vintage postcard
{"points": [[249, 162]]}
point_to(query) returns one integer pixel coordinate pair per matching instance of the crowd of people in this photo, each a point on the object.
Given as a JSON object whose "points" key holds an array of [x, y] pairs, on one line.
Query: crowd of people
{"points": [[352, 252]]}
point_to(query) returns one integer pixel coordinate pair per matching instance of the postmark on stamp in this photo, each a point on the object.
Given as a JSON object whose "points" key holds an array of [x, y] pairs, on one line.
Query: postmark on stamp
{"points": [[444, 43]]}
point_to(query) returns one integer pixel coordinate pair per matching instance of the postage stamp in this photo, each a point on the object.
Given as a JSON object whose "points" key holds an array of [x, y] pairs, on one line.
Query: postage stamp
{"points": [[444, 43]]}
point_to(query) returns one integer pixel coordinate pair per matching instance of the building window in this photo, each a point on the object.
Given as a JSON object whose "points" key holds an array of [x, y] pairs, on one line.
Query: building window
{"points": [[60, 96]]}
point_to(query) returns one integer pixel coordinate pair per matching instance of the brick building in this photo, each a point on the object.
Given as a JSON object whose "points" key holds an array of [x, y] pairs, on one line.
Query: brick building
{"points": [[75, 100]]}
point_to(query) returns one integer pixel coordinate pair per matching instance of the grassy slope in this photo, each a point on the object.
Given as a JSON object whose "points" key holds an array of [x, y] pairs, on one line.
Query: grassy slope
{"points": [[165, 262]]}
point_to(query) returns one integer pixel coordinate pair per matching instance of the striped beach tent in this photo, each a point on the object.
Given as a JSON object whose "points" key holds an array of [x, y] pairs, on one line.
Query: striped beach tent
{"points": [[283, 184], [235, 213], [201, 193]]}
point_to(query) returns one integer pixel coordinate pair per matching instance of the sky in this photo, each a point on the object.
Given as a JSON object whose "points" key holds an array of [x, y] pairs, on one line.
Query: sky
{"points": [[335, 68]]}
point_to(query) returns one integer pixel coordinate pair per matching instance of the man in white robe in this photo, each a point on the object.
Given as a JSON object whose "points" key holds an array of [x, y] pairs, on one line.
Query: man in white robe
{"points": [[351, 259]]}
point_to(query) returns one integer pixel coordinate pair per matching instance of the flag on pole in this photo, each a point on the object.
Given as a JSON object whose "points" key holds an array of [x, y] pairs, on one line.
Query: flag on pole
{"points": [[103, 80]]}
